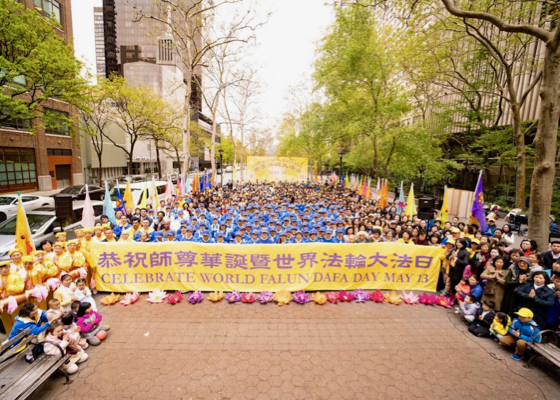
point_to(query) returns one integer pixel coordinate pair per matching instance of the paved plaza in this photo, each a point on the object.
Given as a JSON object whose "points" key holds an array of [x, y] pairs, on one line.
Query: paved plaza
{"points": [[334, 351]]}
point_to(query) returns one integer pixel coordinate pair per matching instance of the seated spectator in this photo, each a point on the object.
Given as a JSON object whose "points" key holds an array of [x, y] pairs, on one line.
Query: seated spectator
{"points": [[56, 334], [500, 325], [523, 330], [483, 319], [89, 323], [468, 308]]}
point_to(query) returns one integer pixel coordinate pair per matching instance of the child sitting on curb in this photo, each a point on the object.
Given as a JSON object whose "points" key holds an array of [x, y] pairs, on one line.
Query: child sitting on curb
{"points": [[523, 330]]}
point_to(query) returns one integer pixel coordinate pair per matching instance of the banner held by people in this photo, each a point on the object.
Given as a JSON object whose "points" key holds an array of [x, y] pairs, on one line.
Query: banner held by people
{"points": [[290, 169], [141, 267]]}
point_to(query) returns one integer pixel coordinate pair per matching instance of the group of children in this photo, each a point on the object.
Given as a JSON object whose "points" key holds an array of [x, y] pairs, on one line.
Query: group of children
{"points": [[73, 327], [484, 321]]}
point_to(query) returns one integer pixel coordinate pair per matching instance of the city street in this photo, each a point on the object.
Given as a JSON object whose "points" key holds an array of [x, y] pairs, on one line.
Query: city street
{"points": [[345, 350]]}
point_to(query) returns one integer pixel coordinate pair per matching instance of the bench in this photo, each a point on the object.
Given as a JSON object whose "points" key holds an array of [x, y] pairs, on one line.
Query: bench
{"points": [[548, 348], [34, 374]]}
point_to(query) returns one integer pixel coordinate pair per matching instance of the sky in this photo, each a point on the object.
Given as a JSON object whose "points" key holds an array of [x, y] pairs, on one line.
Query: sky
{"points": [[283, 56]]}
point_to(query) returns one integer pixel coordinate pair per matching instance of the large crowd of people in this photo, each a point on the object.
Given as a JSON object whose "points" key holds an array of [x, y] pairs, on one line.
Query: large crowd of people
{"points": [[484, 270]]}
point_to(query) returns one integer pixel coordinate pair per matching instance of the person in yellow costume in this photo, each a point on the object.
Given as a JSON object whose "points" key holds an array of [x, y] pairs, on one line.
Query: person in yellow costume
{"points": [[86, 240], [72, 259], [98, 233], [40, 258], [11, 283], [15, 256], [59, 249], [79, 233], [60, 237], [35, 274]]}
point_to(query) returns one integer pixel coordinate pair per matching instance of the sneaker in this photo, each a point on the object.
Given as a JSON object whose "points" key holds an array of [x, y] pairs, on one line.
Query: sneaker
{"points": [[516, 357]]}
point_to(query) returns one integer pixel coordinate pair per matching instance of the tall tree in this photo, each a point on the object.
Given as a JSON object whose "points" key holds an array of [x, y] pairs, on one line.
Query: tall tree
{"points": [[188, 23], [36, 65], [505, 16]]}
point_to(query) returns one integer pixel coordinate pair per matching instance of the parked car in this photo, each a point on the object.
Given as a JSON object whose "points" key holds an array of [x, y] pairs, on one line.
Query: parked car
{"points": [[78, 192], [229, 168], [44, 224], [8, 204]]}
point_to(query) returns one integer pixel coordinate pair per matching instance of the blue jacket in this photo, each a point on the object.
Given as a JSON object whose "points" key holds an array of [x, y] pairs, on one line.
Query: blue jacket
{"points": [[528, 331], [22, 324], [476, 291]]}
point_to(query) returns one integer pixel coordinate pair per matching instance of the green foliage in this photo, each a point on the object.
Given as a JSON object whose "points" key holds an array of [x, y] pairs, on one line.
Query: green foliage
{"points": [[35, 65]]}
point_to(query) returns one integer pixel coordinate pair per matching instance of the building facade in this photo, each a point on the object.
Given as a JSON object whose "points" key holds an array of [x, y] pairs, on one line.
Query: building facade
{"points": [[49, 158]]}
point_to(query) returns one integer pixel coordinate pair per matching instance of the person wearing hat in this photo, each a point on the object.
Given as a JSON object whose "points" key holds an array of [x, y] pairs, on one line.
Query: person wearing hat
{"points": [[206, 238], [339, 238], [170, 236], [490, 227], [98, 233], [455, 235], [35, 273], [11, 283], [15, 256], [71, 259], [158, 235], [60, 236], [238, 239], [264, 238], [523, 330]]}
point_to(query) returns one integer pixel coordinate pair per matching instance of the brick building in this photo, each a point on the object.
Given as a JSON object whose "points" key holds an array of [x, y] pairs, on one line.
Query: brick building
{"points": [[49, 159]]}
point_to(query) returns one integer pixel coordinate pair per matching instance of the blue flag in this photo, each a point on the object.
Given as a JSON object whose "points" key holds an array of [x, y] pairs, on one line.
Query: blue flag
{"points": [[108, 209], [478, 215], [120, 203], [401, 205]]}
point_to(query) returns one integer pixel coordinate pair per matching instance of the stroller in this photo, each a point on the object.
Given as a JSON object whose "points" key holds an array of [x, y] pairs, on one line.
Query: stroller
{"points": [[517, 221]]}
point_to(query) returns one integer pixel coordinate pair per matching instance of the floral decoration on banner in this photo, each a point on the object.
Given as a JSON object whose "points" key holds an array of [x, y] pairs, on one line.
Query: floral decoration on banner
{"points": [[428, 299], [345, 296], [248, 297], [301, 297], [157, 296], [130, 298], [265, 297], [233, 297], [360, 296], [216, 296], [393, 298], [195, 297], [332, 297], [110, 299], [283, 297], [377, 296], [319, 298], [409, 297]]}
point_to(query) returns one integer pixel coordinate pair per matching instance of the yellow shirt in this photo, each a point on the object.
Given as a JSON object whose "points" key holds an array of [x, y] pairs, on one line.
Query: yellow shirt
{"points": [[401, 240], [12, 284], [69, 261], [38, 274]]}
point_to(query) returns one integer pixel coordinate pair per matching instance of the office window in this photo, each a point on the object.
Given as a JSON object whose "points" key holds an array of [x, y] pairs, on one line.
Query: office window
{"points": [[14, 123], [56, 122], [49, 8], [17, 168]]}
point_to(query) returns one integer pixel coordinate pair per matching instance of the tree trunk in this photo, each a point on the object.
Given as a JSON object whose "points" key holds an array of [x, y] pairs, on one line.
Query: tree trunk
{"points": [[241, 173], [100, 169], [179, 163], [213, 147], [545, 149], [520, 176], [186, 120], [158, 159]]}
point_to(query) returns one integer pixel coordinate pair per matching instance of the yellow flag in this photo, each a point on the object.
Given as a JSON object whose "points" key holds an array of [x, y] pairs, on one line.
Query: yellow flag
{"points": [[129, 200], [444, 212], [24, 241], [154, 196], [410, 209], [144, 195]]}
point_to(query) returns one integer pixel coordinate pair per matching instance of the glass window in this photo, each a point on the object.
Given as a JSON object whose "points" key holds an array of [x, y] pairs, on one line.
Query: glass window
{"points": [[16, 172], [56, 122], [49, 8]]}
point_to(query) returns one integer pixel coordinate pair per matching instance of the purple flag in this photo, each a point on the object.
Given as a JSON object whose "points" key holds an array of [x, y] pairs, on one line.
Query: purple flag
{"points": [[477, 213]]}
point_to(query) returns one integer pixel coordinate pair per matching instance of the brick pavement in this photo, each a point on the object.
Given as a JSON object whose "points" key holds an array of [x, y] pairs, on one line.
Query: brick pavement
{"points": [[346, 351]]}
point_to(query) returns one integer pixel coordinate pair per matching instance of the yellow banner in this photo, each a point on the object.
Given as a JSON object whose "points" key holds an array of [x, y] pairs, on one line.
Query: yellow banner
{"points": [[290, 169], [141, 267]]}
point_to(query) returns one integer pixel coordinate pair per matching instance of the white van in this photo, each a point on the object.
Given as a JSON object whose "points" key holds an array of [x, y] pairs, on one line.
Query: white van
{"points": [[137, 189]]}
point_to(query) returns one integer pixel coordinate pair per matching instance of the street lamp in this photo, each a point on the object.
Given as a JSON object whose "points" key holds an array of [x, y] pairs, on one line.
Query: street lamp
{"points": [[221, 151], [340, 154]]}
